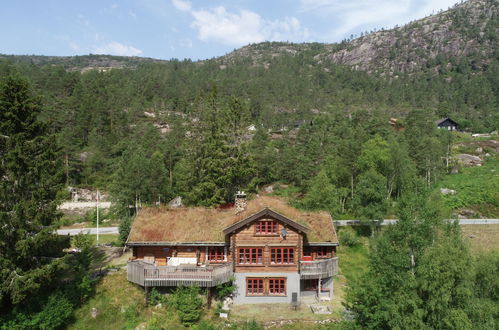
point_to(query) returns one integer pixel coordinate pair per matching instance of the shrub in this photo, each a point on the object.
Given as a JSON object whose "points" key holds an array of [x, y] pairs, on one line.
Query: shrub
{"points": [[83, 241], [349, 238], [225, 289], [55, 313], [157, 298]]}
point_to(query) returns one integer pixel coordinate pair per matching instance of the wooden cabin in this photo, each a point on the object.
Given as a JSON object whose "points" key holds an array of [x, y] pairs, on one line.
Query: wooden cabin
{"points": [[270, 249], [448, 124]]}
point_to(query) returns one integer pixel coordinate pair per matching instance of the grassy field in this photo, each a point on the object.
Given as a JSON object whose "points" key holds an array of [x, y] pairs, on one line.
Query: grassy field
{"points": [[481, 238], [477, 188]]}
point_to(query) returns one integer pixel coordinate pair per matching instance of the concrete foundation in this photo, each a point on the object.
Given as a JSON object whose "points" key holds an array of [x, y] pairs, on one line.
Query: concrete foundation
{"points": [[292, 285]]}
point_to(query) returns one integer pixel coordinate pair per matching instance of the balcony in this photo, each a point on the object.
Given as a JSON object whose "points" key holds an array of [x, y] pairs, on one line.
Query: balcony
{"points": [[318, 268], [147, 274]]}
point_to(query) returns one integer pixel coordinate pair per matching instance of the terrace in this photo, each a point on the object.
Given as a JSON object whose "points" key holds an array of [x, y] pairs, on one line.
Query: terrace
{"points": [[318, 268], [147, 274]]}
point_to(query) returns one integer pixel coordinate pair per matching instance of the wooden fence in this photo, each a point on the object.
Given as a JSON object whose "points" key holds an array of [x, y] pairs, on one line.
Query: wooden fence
{"points": [[146, 274]]}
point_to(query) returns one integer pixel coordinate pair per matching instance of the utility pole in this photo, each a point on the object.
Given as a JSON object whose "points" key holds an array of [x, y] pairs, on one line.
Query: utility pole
{"points": [[98, 216]]}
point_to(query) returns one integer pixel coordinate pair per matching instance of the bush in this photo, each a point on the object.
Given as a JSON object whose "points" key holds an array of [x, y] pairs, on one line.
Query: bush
{"points": [[349, 238], [225, 289], [124, 229], [157, 298], [82, 241], [188, 304]]}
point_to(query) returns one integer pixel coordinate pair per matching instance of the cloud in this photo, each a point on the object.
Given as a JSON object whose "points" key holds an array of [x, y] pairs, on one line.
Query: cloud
{"points": [[115, 48], [355, 15], [182, 5], [241, 28]]}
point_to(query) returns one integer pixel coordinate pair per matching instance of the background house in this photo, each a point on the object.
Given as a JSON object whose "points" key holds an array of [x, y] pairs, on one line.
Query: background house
{"points": [[447, 124]]}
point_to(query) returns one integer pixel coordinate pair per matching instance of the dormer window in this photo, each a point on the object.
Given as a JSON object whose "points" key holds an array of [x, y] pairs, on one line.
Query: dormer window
{"points": [[266, 227]]}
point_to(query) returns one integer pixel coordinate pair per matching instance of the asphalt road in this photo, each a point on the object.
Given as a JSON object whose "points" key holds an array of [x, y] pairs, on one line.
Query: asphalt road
{"points": [[393, 221], [92, 231]]}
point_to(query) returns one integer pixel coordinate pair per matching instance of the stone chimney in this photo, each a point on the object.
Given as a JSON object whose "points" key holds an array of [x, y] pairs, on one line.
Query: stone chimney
{"points": [[240, 201]]}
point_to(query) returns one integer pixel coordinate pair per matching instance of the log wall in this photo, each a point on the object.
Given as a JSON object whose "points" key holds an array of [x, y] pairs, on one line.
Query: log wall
{"points": [[246, 237]]}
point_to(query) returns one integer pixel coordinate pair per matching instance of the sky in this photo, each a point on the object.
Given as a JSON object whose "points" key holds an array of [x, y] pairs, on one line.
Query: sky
{"points": [[202, 29]]}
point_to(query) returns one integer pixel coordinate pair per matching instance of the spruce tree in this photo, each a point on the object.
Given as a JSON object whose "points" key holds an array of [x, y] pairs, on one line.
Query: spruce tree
{"points": [[31, 174]]}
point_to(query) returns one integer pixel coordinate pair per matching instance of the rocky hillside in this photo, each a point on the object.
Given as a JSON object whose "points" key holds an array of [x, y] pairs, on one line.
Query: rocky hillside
{"points": [[467, 32]]}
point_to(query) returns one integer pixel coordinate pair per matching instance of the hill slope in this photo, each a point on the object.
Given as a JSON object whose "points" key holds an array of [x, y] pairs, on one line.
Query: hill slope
{"points": [[468, 31]]}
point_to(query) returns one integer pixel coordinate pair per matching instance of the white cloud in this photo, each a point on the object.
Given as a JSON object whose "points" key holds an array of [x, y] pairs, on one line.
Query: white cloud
{"points": [[182, 5], [228, 28], [241, 28], [352, 16], [115, 48]]}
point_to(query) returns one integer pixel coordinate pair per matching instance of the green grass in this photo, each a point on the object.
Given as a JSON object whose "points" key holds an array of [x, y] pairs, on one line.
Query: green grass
{"points": [[476, 188], [353, 260], [121, 305]]}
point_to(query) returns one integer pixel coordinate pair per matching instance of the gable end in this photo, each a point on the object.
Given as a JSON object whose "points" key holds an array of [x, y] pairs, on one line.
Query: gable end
{"points": [[262, 213]]}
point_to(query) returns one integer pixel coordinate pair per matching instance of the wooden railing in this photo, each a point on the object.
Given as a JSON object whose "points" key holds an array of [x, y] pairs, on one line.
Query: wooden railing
{"points": [[318, 268], [146, 274]]}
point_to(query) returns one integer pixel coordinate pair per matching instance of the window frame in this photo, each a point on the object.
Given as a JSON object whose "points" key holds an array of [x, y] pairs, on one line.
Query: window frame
{"points": [[253, 280], [216, 251], [248, 253], [266, 286], [322, 252], [287, 253], [274, 228], [278, 283], [311, 284]]}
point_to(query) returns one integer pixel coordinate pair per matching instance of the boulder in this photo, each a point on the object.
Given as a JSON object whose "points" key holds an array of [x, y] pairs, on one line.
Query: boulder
{"points": [[446, 191], [469, 160], [175, 203]]}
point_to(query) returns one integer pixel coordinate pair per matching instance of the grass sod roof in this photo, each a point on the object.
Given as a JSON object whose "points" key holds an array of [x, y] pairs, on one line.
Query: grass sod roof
{"points": [[206, 225]]}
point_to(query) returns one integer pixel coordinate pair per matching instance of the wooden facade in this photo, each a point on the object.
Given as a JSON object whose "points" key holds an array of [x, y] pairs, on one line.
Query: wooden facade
{"points": [[248, 238]]}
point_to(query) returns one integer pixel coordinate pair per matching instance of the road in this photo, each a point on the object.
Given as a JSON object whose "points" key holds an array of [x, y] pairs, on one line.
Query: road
{"points": [[114, 230], [393, 221], [91, 231]]}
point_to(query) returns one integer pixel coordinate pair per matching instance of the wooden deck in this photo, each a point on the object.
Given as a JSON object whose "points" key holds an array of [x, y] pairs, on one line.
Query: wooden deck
{"points": [[318, 268], [147, 275]]}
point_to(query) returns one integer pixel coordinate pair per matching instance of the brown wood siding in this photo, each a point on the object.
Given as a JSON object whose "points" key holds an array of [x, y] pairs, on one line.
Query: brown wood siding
{"points": [[247, 238]]}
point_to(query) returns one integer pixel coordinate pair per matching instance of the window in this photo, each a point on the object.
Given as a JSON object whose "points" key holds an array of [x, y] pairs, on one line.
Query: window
{"points": [[216, 254], [277, 286], [322, 252], [267, 227], [282, 256], [254, 286], [311, 284], [307, 251], [266, 286], [250, 256]]}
